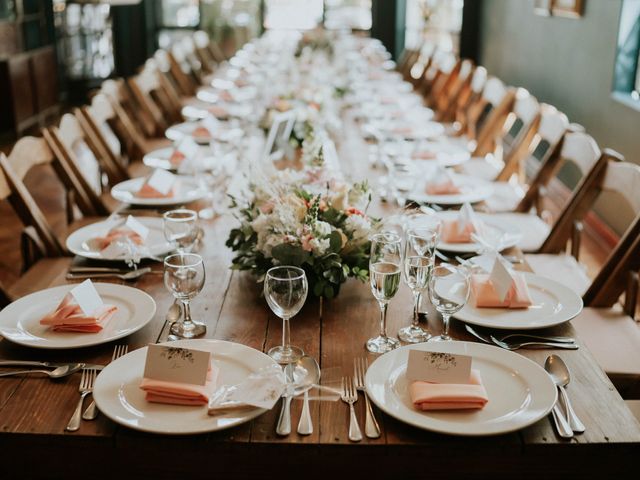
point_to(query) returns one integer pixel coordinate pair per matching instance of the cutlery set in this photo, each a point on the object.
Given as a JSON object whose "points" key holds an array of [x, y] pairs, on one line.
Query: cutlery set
{"points": [[566, 421], [515, 341], [350, 388]]}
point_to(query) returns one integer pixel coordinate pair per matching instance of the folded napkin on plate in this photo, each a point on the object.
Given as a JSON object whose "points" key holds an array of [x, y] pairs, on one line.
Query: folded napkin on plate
{"points": [[452, 233], [176, 393], [176, 158], [424, 155], [449, 396], [442, 183], [147, 191], [484, 294], [119, 233], [68, 317], [218, 111]]}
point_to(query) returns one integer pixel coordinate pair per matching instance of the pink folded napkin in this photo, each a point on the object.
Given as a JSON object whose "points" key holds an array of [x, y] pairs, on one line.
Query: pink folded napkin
{"points": [[147, 191], [446, 187], [424, 155], [68, 317], [176, 393], [450, 232], [218, 111], [113, 235], [449, 396], [176, 158], [484, 295], [201, 133]]}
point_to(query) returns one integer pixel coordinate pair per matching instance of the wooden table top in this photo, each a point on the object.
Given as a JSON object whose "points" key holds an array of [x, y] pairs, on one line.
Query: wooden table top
{"points": [[34, 411]]}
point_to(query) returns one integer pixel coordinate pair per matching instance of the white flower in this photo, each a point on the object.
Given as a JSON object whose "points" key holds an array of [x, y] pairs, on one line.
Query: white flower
{"points": [[322, 229], [358, 226], [319, 247]]}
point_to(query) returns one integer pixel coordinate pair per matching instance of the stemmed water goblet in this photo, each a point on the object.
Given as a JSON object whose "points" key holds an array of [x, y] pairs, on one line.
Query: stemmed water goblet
{"points": [[184, 277], [285, 289], [384, 275], [448, 291], [181, 228], [417, 262]]}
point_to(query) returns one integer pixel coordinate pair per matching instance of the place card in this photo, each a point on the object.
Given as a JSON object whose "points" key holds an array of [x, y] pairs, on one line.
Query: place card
{"points": [[501, 278], [137, 227], [174, 364], [161, 181], [466, 217], [87, 297], [438, 367], [188, 147]]}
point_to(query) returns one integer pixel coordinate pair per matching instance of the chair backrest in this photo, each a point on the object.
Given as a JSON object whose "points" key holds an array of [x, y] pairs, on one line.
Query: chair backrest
{"points": [[27, 153], [167, 95], [446, 104], [580, 149], [489, 114], [181, 70], [447, 69], [203, 43], [79, 163], [544, 156], [469, 96], [147, 91], [139, 123], [517, 133], [98, 120]]}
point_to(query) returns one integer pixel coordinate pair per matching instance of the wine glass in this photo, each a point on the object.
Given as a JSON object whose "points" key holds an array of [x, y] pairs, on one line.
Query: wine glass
{"points": [[285, 289], [181, 228], [403, 180], [419, 251], [184, 277], [448, 291], [384, 275]]}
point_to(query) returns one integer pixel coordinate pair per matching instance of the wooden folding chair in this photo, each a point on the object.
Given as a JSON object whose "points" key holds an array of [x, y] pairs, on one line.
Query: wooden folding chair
{"points": [[446, 72], [85, 170], [469, 96], [181, 71], [153, 100], [204, 51], [461, 80]]}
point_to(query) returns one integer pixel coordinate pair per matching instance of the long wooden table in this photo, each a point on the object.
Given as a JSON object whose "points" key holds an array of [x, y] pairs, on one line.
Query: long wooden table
{"points": [[35, 411]]}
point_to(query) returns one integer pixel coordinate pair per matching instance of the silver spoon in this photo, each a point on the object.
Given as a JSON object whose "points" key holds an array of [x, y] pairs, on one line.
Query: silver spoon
{"points": [[59, 372], [309, 373], [132, 275], [559, 372]]}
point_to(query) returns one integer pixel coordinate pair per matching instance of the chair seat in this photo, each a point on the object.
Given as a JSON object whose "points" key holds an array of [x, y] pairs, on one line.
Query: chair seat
{"points": [[534, 229], [612, 337], [45, 273], [505, 197], [561, 268]]}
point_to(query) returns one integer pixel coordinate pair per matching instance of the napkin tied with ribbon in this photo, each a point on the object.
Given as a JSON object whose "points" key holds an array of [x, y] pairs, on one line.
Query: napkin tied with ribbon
{"points": [[449, 396], [462, 228], [502, 288]]}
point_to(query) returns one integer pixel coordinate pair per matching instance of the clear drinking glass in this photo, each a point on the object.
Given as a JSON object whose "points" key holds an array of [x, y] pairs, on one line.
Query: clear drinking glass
{"points": [[419, 252], [184, 277], [384, 276], [448, 291], [285, 289], [403, 180], [181, 229]]}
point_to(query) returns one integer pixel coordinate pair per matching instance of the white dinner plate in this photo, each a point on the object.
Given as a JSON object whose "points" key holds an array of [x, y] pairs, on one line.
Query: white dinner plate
{"points": [[424, 132], [160, 159], [553, 304], [225, 134], [473, 190], [118, 395], [446, 154], [508, 233], [187, 191], [155, 244], [520, 392], [20, 321]]}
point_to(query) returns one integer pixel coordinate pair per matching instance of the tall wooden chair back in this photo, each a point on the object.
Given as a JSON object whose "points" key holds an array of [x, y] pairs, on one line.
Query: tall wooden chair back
{"points": [[420, 62], [517, 133], [203, 50], [543, 159], [445, 105], [167, 96], [147, 91], [192, 59], [27, 153], [489, 114], [598, 170], [447, 70], [84, 170], [469, 96], [181, 71], [433, 71], [99, 120], [403, 65]]}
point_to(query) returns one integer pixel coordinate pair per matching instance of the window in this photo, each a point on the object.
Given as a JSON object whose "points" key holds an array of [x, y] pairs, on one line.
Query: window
{"points": [[293, 14], [626, 85]]}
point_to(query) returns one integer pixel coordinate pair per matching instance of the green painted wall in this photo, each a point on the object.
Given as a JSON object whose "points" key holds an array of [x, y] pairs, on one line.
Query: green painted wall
{"points": [[568, 63]]}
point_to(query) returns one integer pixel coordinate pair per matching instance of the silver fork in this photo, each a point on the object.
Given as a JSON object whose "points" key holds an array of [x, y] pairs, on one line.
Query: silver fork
{"points": [[517, 345], [85, 388], [371, 428], [350, 396], [91, 413]]}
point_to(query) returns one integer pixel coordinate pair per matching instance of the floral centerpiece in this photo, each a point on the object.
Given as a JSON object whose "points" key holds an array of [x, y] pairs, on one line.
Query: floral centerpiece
{"points": [[312, 219]]}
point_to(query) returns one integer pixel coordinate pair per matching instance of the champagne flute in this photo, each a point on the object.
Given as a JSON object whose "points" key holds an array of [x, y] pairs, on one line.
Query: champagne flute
{"points": [[419, 250], [181, 228], [384, 275], [449, 291], [184, 277], [285, 289]]}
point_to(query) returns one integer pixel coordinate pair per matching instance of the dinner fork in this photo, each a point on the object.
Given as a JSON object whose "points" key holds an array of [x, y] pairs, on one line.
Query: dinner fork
{"points": [[371, 428], [85, 388], [350, 396], [91, 413], [517, 345]]}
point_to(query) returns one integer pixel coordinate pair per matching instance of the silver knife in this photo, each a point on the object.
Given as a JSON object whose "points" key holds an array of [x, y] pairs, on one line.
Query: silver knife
{"points": [[28, 363]]}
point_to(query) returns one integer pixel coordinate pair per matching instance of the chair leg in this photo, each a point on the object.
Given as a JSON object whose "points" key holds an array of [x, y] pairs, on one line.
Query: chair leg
{"points": [[631, 294]]}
